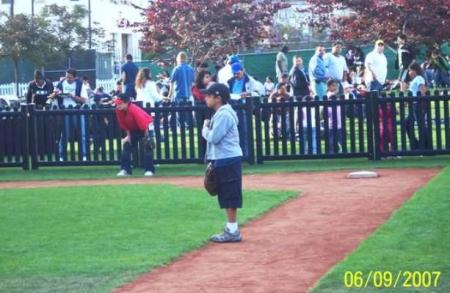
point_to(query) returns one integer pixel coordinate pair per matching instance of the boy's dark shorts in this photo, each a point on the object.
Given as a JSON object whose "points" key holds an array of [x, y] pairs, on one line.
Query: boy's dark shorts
{"points": [[229, 185]]}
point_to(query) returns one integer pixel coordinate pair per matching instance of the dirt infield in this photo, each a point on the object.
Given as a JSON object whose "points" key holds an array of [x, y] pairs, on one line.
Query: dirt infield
{"points": [[289, 248]]}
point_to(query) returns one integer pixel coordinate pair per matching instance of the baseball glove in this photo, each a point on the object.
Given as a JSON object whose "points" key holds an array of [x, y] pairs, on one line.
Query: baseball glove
{"points": [[149, 142], [210, 182]]}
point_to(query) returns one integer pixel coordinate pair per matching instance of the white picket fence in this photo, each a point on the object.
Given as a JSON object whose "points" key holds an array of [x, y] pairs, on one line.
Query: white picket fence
{"points": [[107, 84], [9, 89]]}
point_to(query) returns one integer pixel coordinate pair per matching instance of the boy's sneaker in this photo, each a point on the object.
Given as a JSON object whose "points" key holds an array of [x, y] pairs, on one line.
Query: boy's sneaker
{"points": [[148, 174], [123, 173], [227, 236]]}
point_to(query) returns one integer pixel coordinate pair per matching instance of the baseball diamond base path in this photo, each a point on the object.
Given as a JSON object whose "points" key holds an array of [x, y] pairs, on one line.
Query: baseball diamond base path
{"points": [[289, 248]]}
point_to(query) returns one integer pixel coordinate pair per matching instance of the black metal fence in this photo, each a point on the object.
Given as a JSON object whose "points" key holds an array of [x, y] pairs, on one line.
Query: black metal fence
{"points": [[376, 127], [14, 151]]}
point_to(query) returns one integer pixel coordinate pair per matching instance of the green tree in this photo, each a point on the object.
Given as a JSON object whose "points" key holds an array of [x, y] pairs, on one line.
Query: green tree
{"points": [[70, 29], [24, 37]]}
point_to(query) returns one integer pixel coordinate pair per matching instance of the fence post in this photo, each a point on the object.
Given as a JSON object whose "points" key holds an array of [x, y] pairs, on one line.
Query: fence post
{"points": [[373, 127], [259, 154], [25, 137], [33, 136], [251, 146]]}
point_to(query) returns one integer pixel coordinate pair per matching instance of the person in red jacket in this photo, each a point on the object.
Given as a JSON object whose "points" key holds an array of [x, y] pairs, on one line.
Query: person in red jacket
{"points": [[202, 81], [139, 126]]}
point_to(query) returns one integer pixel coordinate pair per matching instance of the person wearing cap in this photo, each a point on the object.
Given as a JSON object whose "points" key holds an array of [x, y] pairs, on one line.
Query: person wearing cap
{"points": [[317, 72], [138, 126], [225, 73], [243, 85], [376, 67], [281, 64], [224, 152]]}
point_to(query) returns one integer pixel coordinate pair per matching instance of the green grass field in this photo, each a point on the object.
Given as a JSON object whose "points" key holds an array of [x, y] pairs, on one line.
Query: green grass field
{"points": [[91, 239], [416, 238]]}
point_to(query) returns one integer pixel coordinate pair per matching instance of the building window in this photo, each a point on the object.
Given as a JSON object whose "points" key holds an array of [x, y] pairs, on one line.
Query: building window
{"points": [[6, 1]]}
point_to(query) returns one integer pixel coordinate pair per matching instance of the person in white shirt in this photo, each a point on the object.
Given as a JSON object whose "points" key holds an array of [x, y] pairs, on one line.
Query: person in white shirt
{"points": [[281, 64], [87, 92], [376, 67], [146, 89], [70, 87], [417, 86], [269, 86], [336, 64]]}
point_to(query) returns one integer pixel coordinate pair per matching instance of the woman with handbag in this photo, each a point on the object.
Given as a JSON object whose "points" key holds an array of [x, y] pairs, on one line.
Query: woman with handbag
{"points": [[224, 153]]}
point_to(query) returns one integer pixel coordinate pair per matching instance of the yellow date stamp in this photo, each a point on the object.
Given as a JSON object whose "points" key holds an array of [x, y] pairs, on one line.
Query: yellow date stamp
{"points": [[389, 279]]}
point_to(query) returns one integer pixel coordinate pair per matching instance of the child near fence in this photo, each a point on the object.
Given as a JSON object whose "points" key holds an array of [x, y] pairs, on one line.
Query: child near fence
{"points": [[334, 142]]}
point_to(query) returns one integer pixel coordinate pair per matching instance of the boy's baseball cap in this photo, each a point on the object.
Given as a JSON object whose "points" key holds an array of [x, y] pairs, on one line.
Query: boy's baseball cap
{"points": [[218, 89]]}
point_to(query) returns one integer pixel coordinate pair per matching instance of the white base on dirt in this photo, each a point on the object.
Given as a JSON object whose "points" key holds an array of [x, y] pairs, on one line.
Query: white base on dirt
{"points": [[362, 174]]}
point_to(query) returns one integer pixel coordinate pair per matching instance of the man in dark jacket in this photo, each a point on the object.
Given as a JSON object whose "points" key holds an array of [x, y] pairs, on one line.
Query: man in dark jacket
{"points": [[243, 85], [39, 89], [405, 57], [440, 69], [298, 78]]}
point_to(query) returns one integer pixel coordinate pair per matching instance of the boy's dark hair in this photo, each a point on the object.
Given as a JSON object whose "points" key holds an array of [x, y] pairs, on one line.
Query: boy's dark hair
{"points": [[280, 85], [119, 82], [416, 67], [338, 43], [331, 82], [85, 78], [270, 78], [72, 71], [38, 75], [129, 57], [285, 75]]}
